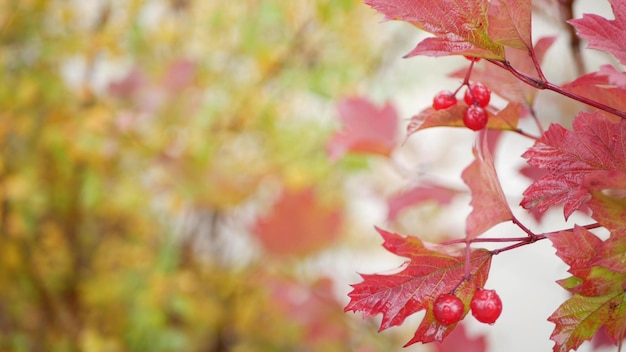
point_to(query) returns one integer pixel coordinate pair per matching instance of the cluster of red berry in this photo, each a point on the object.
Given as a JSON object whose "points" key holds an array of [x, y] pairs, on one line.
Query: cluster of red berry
{"points": [[477, 97], [486, 307]]}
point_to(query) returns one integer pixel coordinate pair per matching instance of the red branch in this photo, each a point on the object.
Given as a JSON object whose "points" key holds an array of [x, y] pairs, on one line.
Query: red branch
{"points": [[544, 84]]}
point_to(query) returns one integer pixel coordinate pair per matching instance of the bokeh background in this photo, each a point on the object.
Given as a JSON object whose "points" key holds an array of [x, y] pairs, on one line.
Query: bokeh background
{"points": [[174, 177]]}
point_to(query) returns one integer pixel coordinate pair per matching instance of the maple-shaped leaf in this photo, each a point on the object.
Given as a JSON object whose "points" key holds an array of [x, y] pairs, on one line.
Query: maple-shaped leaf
{"points": [[460, 26], [458, 340], [505, 119], [595, 144], [598, 292], [576, 248], [299, 223], [580, 317], [510, 23], [502, 82], [416, 285], [366, 128], [608, 202], [488, 201], [605, 35], [442, 195]]}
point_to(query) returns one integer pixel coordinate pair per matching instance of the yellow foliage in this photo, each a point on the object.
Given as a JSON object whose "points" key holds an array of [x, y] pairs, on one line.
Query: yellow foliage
{"points": [[123, 124]]}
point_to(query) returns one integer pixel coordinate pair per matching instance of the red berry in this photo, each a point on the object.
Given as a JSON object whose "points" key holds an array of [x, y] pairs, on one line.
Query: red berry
{"points": [[486, 306], [479, 94], [444, 100], [472, 58], [475, 118], [448, 309]]}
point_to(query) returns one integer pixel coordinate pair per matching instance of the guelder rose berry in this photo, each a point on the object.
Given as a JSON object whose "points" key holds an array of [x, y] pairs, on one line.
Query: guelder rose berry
{"points": [[448, 309], [475, 118], [444, 100], [486, 306], [477, 93]]}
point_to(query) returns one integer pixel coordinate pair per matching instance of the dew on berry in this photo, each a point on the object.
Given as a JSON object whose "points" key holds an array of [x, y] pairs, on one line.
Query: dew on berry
{"points": [[448, 309], [486, 306]]}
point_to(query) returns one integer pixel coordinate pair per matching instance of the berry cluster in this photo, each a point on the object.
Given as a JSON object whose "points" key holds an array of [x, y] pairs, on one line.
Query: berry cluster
{"points": [[477, 97], [486, 307]]}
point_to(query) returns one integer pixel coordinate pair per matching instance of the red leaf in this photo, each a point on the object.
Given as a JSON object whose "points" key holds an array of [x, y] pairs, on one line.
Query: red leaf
{"points": [[459, 341], [509, 23], [298, 224], [422, 193], [608, 203], [576, 249], [505, 119], [612, 253], [416, 285], [460, 26], [488, 201], [595, 144], [613, 76], [605, 35], [366, 128], [578, 319]]}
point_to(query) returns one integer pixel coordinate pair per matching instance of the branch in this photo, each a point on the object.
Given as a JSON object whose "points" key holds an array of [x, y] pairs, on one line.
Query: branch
{"points": [[543, 84]]}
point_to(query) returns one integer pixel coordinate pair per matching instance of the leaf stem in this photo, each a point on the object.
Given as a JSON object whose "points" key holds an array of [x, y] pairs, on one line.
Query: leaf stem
{"points": [[523, 227], [544, 84]]}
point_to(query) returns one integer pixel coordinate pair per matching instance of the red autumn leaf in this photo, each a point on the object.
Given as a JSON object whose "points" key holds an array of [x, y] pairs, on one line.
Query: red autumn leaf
{"points": [[608, 202], [595, 144], [576, 248], [605, 35], [612, 253], [366, 128], [460, 26], [502, 82], [614, 77], [458, 340], [505, 119], [509, 23], [298, 224], [419, 194], [416, 285], [488, 201]]}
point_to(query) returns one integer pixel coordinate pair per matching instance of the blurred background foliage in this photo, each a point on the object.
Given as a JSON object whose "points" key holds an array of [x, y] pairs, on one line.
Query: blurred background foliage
{"points": [[143, 146]]}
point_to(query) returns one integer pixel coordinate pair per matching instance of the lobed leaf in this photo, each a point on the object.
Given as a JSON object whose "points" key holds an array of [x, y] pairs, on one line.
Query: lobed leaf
{"points": [[416, 285], [605, 35], [460, 26], [578, 319], [510, 23], [576, 248], [595, 144]]}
